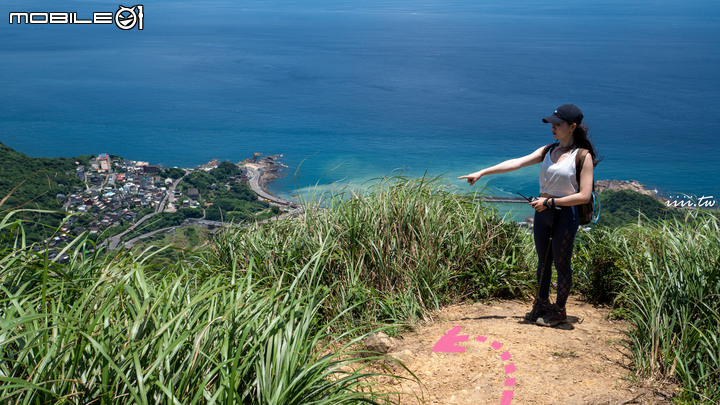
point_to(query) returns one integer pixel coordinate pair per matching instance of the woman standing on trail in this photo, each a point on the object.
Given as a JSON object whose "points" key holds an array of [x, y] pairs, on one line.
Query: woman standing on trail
{"points": [[556, 215]]}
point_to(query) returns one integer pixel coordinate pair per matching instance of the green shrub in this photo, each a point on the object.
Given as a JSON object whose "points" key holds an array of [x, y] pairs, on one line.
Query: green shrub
{"points": [[626, 207], [601, 259]]}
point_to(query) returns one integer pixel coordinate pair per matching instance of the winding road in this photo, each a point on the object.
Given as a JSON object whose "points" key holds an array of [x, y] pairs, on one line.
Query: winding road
{"points": [[115, 240], [257, 186]]}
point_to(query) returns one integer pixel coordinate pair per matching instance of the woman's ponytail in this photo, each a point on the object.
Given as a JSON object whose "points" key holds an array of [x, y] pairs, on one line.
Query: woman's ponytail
{"points": [[581, 139]]}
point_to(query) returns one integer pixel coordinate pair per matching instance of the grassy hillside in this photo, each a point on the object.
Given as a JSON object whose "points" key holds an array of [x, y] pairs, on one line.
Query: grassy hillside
{"points": [[34, 183], [27, 182], [624, 207], [269, 314]]}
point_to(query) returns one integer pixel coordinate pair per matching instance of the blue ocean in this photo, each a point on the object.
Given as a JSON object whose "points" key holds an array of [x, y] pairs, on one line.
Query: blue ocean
{"points": [[354, 90]]}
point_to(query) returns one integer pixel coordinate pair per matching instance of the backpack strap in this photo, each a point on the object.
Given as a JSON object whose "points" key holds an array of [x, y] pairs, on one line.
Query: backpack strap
{"points": [[579, 162], [549, 148], [594, 201]]}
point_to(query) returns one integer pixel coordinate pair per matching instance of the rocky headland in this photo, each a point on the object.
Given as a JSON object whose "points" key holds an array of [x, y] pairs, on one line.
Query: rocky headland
{"points": [[269, 167], [617, 185]]}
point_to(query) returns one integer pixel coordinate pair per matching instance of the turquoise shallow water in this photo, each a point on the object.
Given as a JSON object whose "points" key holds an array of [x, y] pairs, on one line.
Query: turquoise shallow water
{"points": [[350, 92]]}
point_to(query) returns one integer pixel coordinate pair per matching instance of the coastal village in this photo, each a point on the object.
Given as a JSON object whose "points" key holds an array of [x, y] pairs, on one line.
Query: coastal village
{"points": [[118, 194]]}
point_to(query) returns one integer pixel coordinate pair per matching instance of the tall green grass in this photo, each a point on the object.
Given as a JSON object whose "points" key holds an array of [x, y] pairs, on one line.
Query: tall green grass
{"points": [[273, 313], [393, 252], [665, 279], [268, 315], [114, 329], [674, 304]]}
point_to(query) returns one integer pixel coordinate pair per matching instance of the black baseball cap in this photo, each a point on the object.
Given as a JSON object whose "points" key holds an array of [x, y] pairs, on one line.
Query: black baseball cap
{"points": [[566, 112]]}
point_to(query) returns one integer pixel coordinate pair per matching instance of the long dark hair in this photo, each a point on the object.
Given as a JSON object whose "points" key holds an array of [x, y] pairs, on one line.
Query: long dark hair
{"points": [[581, 140]]}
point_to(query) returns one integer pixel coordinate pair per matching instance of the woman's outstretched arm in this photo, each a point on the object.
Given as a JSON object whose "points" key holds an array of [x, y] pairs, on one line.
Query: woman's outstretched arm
{"points": [[506, 166]]}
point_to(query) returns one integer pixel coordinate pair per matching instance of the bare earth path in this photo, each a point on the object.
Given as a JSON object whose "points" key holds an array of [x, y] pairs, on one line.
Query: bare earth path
{"points": [[506, 360]]}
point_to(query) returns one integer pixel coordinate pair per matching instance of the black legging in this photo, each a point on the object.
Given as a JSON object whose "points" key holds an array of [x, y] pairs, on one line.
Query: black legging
{"points": [[560, 225]]}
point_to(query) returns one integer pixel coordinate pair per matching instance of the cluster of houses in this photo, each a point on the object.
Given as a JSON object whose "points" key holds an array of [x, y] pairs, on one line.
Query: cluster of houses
{"points": [[115, 191]]}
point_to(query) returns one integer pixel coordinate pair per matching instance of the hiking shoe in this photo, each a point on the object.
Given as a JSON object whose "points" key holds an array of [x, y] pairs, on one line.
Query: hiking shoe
{"points": [[540, 306], [553, 317]]}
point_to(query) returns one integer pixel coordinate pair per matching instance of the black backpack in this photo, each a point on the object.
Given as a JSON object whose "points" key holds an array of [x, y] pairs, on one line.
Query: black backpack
{"points": [[585, 211]]}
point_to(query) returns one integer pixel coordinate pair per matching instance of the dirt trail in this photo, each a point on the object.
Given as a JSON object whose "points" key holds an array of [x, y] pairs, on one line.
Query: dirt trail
{"points": [[507, 360]]}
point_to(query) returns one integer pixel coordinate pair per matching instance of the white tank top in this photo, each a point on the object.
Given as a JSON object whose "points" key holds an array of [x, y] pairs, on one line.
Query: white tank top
{"points": [[558, 179]]}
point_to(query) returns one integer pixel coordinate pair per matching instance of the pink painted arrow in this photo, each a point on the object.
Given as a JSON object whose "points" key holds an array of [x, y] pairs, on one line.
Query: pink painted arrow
{"points": [[447, 343]]}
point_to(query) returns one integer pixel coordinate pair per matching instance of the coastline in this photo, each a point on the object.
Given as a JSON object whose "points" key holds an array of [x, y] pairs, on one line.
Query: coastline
{"points": [[632, 185], [260, 172], [263, 170]]}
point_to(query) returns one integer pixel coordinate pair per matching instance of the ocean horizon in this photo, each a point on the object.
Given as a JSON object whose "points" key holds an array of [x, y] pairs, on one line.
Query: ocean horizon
{"points": [[350, 92]]}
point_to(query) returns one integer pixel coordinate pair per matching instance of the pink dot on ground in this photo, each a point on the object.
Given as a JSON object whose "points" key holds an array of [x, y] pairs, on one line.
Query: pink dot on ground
{"points": [[507, 397], [496, 345], [481, 339], [509, 382], [505, 356], [510, 368]]}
